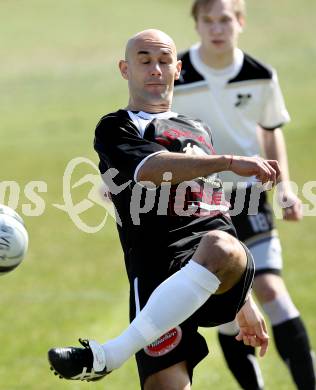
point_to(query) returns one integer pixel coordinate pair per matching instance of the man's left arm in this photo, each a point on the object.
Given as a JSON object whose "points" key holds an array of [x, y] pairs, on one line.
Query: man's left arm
{"points": [[275, 148]]}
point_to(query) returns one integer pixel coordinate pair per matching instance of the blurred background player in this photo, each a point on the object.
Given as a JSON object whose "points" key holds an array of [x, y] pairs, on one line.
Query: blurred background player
{"points": [[240, 99]]}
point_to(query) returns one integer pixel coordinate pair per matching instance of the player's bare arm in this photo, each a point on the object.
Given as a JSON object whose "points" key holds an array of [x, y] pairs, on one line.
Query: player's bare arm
{"points": [[185, 167], [275, 148]]}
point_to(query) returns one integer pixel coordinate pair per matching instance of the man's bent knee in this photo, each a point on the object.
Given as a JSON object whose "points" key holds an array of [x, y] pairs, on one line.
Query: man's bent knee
{"points": [[175, 377], [223, 255]]}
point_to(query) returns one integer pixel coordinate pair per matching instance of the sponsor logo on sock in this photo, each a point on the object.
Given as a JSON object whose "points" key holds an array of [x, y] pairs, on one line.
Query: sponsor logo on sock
{"points": [[165, 343]]}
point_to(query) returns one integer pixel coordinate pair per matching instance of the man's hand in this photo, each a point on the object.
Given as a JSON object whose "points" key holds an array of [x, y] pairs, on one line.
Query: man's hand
{"points": [[291, 206], [264, 170], [252, 326]]}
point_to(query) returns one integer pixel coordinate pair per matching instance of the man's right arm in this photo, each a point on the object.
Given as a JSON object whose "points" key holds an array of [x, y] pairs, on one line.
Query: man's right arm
{"points": [[187, 167], [120, 146]]}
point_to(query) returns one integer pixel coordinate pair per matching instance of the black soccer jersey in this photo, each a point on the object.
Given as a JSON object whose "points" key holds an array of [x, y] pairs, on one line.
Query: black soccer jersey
{"points": [[124, 140]]}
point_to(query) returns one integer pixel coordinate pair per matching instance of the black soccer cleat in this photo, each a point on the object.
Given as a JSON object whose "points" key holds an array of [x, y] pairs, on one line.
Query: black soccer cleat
{"points": [[83, 364]]}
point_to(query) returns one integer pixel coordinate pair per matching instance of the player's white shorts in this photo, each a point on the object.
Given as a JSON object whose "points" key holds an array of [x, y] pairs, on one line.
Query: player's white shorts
{"points": [[267, 254], [257, 231]]}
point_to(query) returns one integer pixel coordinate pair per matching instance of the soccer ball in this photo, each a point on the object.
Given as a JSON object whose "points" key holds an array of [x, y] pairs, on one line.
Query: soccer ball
{"points": [[13, 239]]}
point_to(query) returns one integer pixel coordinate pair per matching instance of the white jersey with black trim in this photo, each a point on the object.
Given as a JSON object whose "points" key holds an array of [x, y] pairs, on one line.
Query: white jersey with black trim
{"points": [[233, 101]]}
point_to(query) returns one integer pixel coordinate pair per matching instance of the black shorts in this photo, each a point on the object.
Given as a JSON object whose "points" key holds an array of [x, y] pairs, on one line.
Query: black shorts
{"points": [[183, 343]]}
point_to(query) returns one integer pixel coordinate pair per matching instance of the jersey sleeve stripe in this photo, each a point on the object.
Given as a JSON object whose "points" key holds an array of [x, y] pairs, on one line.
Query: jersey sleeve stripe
{"points": [[143, 162]]}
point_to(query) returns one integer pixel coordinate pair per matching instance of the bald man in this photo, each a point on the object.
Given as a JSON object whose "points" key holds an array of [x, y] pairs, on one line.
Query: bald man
{"points": [[185, 266]]}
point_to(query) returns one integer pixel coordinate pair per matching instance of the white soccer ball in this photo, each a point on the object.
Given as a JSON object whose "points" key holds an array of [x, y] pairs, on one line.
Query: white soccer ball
{"points": [[13, 239]]}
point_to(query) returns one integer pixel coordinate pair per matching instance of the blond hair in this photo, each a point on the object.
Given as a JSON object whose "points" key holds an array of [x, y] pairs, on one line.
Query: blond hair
{"points": [[239, 7]]}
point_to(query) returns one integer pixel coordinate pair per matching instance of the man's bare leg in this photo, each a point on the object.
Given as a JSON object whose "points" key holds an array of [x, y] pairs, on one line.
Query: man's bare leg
{"points": [[175, 377]]}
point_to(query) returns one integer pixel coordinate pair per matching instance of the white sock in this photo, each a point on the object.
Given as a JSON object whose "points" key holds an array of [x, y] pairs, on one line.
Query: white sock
{"points": [[172, 302], [280, 309]]}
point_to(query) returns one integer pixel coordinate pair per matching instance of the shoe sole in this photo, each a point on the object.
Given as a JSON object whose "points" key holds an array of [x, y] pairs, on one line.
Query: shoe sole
{"points": [[82, 380], [56, 373]]}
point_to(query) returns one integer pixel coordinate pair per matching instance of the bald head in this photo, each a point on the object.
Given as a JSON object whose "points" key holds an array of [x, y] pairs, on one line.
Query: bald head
{"points": [[151, 67], [151, 37]]}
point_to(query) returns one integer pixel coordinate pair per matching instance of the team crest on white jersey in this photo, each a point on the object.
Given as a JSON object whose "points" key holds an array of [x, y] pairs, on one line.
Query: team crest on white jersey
{"points": [[242, 99]]}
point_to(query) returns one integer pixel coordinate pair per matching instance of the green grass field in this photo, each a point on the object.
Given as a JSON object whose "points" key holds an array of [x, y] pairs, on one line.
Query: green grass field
{"points": [[58, 75]]}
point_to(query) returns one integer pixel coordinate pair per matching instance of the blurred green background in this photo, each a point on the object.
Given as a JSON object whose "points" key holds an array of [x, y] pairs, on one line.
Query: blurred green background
{"points": [[58, 76]]}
